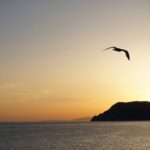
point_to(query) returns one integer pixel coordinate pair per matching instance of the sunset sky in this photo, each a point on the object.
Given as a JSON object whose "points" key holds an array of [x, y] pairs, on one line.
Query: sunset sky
{"points": [[52, 63]]}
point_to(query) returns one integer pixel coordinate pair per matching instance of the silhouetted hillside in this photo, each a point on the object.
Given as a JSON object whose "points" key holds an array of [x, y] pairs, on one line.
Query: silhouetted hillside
{"points": [[129, 111]]}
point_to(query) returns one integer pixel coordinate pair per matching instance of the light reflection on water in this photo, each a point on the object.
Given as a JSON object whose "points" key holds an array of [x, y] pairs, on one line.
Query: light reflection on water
{"points": [[76, 136]]}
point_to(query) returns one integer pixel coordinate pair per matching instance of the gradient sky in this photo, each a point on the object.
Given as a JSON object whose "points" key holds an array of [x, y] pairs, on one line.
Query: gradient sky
{"points": [[51, 61]]}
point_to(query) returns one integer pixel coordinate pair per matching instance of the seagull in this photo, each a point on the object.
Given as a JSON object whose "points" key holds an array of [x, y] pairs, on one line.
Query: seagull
{"points": [[119, 50]]}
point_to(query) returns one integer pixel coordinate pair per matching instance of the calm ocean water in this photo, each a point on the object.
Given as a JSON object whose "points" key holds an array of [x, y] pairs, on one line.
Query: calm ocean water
{"points": [[76, 136]]}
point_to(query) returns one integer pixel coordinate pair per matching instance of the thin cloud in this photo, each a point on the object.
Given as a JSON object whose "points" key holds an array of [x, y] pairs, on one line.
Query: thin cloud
{"points": [[9, 85]]}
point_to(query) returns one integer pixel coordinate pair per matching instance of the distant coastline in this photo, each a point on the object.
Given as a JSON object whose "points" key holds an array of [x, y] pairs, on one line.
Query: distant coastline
{"points": [[84, 119]]}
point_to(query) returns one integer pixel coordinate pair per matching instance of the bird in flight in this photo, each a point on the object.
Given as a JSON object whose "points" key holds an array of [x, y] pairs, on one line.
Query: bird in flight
{"points": [[119, 50]]}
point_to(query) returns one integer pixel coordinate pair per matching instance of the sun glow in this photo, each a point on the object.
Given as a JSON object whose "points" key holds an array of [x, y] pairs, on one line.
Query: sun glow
{"points": [[52, 61]]}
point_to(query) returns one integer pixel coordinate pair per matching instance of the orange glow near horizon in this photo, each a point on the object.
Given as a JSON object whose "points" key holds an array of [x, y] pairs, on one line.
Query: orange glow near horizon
{"points": [[52, 62]]}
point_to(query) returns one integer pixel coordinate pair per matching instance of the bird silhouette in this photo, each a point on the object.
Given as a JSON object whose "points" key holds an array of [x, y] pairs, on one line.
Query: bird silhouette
{"points": [[119, 50]]}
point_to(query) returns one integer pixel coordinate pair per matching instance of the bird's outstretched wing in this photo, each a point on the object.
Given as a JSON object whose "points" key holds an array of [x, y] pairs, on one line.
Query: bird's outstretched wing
{"points": [[109, 47], [119, 50], [127, 54]]}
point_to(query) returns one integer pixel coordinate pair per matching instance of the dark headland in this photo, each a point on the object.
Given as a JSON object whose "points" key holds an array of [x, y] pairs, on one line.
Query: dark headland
{"points": [[126, 111]]}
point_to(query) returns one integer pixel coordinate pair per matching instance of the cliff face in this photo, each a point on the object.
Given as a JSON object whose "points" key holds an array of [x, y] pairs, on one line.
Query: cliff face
{"points": [[129, 111]]}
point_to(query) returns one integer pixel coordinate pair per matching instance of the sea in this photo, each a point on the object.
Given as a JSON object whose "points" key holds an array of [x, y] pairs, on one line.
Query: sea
{"points": [[75, 136]]}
